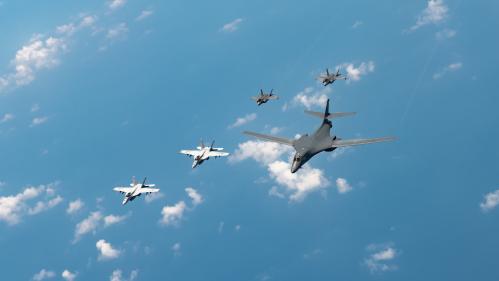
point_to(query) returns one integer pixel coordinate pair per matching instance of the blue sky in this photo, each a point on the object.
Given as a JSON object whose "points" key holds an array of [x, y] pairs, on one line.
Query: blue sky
{"points": [[95, 92]]}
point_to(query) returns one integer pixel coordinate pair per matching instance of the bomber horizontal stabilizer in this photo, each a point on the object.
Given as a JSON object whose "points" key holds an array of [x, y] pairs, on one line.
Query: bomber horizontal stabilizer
{"points": [[330, 115]]}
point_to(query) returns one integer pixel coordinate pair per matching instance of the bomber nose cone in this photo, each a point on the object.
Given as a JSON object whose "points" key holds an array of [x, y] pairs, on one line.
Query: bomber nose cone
{"points": [[294, 167]]}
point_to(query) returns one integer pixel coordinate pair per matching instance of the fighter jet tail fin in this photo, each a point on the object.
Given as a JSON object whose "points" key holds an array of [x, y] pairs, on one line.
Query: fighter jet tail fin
{"points": [[330, 115]]}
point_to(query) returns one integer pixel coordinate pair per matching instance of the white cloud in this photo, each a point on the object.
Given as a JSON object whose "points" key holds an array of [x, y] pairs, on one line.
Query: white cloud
{"points": [[6, 118], [74, 206], [68, 275], [117, 31], [43, 274], [243, 120], [66, 29], [38, 121], [95, 221], [299, 184], [435, 12], [357, 24], [113, 219], [260, 151], [491, 200], [14, 207], [42, 206], [237, 227], [311, 97], [381, 258], [115, 4], [194, 195], [88, 21], [88, 225], [172, 214], [449, 68], [153, 197], [144, 14], [274, 191], [355, 73], [445, 34], [343, 186], [106, 250], [117, 275], [221, 227], [176, 248], [232, 26]]}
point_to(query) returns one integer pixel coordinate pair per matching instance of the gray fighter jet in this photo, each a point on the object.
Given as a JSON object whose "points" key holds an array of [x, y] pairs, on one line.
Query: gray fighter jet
{"points": [[328, 78], [307, 146], [263, 97]]}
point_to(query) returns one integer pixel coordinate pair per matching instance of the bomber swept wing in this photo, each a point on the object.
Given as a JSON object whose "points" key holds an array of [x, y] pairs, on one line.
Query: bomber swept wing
{"points": [[269, 138], [352, 142]]}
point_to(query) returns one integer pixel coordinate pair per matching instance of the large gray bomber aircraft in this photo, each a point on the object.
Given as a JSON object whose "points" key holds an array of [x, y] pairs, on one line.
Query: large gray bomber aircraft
{"points": [[307, 146]]}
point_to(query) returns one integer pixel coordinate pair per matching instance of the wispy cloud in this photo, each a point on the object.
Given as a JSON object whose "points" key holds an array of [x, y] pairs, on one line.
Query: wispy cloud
{"points": [[117, 275], [435, 12], [6, 118], [118, 31], [14, 207], [232, 26], [449, 68], [381, 257], [38, 121], [357, 24], [243, 120], [311, 97], [43, 275], [75, 206], [445, 34], [176, 249], [96, 220], [115, 4], [195, 196], [490, 201], [144, 14]]}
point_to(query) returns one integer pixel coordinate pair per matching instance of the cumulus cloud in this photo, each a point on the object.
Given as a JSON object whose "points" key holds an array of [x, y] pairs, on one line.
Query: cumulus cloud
{"points": [[311, 97], [118, 31], [243, 120], [6, 118], [115, 4], [355, 73], [113, 219], [106, 251], [435, 12], [117, 275], [194, 195], [490, 201], [43, 275], [299, 184], [171, 215], [74, 206], [449, 68], [260, 151], [14, 207], [144, 14], [343, 186], [93, 222], [232, 26], [381, 258], [38, 121], [68, 275]]}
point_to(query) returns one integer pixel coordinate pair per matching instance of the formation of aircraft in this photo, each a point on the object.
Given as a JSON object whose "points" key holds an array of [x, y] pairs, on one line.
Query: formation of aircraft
{"points": [[203, 153], [135, 190], [306, 146], [329, 78], [321, 140], [263, 97]]}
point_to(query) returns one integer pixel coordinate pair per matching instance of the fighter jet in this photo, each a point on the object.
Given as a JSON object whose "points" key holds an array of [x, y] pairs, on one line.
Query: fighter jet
{"points": [[204, 153], [328, 78], [135, 190], [263, 97], [307, 146]]}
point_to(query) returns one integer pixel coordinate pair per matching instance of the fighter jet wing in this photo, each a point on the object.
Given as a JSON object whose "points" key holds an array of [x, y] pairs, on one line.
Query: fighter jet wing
{"points": [[255, 98], [342, 143], [123, 189], [269, 138], [190, 152], [147, 190], [273, 97], [217, 154]]}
